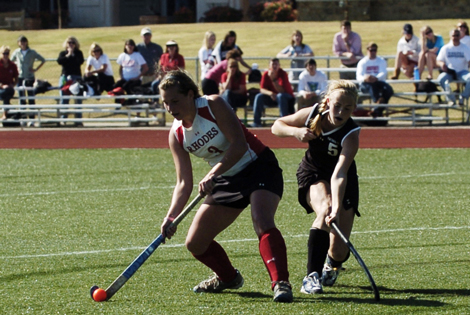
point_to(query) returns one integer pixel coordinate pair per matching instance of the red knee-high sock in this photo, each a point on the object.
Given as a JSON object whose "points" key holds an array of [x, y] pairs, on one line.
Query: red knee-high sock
{"points": [[274, 254], [216, 259]]}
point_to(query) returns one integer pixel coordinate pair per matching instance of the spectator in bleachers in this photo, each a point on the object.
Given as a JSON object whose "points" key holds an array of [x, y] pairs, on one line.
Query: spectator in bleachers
{"points": [[234, 85], [312, 84], [132, 67], [454, 60], [224, 46], [205, 52], [99, 71], [170, 60], [275, 90], [210, 84], [151, 52], [372, 73], [431, 45], [71, 60], [296, 49], [347, 44], [8, 77], [24, 57], [408, 49], [464, 33]]}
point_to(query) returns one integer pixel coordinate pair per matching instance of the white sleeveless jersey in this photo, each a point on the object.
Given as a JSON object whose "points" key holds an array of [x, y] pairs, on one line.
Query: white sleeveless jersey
{"points": [[204, 139]]}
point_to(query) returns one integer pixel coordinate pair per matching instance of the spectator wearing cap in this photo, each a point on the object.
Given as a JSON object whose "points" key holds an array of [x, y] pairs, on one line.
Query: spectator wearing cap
{"points": [[348, 45], [408, 50], [24, 57], [8, 77], [170, 60], [151, 52], [371, 73]]}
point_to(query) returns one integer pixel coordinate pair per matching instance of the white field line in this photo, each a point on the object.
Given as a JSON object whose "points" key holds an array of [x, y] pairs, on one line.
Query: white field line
{"points": [[228, 241], [39, 193]]}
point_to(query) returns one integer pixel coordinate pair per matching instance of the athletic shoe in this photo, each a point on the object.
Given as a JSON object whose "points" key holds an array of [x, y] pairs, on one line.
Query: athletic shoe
{"points": [[283, 292], [329, 275], [214, 285], [311, 284]]}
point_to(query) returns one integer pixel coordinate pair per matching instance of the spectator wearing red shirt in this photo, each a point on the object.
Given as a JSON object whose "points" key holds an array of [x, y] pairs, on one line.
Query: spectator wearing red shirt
{"points": [[170, 60], [275, 90], [8, 77], [234, 85]]}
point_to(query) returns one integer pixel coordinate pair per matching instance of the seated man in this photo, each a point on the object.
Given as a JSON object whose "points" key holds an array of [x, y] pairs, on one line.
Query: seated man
{"points": [[347, 44], [371, 74], [8, 77], [408, 49], [312, 83], [276, 90], [454, 60]]}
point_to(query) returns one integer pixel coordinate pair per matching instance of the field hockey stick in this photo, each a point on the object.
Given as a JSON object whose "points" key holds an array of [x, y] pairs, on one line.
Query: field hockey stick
{"points": [[359, 260], [135, 265]]}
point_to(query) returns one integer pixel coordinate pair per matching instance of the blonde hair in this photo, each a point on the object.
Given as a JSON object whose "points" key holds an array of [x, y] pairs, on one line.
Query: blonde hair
{"points": [[3, 48], [294, 33], [95, 46], [344, 87], [205, 41], [72, 39]]}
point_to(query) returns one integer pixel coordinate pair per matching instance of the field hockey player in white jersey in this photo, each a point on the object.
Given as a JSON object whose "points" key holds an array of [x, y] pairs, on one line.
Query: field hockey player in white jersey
{"points": [[243, 172], [327, 178]]}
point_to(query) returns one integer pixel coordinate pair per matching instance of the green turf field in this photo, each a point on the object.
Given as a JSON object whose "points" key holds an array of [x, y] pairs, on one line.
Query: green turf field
{"points": [[70, 219]]}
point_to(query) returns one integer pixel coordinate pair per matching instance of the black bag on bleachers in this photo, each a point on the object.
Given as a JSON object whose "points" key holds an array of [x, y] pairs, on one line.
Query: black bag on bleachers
{"points": [[427, 87], [254, 76], [8, 123]]}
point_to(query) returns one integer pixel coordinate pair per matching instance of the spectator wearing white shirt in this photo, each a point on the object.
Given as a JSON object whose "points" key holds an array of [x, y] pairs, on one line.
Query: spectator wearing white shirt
{"points": [[132, 67], [454, 60], [312, 84], [205, 52], [464, 33], [408, 49], [371, 73], [98, 70]]}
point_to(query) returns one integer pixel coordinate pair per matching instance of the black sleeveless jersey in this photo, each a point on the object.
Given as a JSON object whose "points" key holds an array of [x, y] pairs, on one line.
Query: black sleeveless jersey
{"points": [[324, 151]]}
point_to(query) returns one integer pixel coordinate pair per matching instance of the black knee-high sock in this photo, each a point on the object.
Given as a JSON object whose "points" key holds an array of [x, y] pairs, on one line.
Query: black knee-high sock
{"points": [[318, 244]]}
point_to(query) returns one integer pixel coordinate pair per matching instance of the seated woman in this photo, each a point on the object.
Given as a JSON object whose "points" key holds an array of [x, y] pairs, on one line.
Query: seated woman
{"points": [[234, 85], [132, 67], [170, 60], [99, 73], [431, 45]]}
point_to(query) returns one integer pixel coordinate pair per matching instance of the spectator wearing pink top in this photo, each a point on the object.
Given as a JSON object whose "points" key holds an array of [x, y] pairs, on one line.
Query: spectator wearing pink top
{"points": [[347, 43], [210, 84]]}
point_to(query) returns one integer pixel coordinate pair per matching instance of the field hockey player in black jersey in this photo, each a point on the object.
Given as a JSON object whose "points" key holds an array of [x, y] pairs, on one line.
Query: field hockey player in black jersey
{"points": [[327, 178]]}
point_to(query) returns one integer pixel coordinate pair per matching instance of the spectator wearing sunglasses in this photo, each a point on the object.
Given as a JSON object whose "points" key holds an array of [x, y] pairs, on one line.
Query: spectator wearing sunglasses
{"points": [[71, 60], [464, 33], [99, 71], [431, 45], [372, 73], [454, 60]]}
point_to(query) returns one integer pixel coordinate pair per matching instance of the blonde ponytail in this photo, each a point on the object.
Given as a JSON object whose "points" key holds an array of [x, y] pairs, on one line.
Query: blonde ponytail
{"points": [[342, 86]]}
